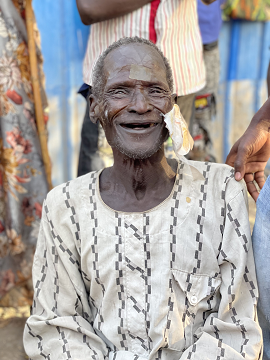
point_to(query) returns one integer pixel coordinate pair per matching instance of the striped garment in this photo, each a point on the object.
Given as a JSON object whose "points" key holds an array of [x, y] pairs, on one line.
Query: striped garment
{"points": [[172, 25], [176, 282]]}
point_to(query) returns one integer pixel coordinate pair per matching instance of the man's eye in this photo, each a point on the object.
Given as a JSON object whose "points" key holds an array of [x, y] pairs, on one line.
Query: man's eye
{"points": [[119, 92], [156, 91]]}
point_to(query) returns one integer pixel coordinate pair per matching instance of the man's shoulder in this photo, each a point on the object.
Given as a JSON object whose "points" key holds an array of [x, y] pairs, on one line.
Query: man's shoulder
{"points": [[221, 171], [71, 190], [219, 178]]}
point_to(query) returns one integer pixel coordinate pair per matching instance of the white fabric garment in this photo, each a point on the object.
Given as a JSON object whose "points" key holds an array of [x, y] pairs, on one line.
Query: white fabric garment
{"points": [[175, 282], [177, 35]]}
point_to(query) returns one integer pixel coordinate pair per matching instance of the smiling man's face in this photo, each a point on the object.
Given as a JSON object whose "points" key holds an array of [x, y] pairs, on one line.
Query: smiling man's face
{"points": [[136, 94]]}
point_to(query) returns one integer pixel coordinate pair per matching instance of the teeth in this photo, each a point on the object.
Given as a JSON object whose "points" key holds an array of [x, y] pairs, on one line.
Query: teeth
{"points": [[145, 126]]}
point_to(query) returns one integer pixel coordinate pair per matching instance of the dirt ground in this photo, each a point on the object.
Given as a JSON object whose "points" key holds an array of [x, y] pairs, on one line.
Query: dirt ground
{"points": [[12, 320], [11, 344]]}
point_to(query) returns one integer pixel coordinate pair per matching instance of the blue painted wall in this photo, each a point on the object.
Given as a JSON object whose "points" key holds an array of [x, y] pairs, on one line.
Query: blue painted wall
{"points": [[244, 52], [63, 40]]}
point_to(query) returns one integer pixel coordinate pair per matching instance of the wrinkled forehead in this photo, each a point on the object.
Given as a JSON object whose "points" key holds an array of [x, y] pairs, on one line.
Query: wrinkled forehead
{"points": [[141, 61]]}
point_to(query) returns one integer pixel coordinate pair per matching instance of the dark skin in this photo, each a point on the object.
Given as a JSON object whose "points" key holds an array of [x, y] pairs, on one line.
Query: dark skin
{"points": [[249, 155], [93, 11], [130, 112]]}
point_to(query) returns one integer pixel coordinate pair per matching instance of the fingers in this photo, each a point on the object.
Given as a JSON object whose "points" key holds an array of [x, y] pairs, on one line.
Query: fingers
{"points": [[253, 191], [231, 157], [240, 163], [259, 178], [232, 154], [237, 157], [255, 167], [249, 179]]}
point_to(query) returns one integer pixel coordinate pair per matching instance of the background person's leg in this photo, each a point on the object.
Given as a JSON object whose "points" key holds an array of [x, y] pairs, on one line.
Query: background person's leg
{"points": [[202, 129], [89, 159], [186, 105]]}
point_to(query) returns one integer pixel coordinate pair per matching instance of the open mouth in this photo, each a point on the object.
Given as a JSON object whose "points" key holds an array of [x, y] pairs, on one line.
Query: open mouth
{"points": [[141, 126]]}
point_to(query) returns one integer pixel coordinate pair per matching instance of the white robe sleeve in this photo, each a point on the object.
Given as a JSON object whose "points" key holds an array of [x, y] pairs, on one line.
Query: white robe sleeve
{"points": [[60, 323], [233, 331]]}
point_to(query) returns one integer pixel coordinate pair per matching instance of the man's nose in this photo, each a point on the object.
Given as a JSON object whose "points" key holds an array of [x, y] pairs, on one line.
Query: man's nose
{"points": [[139, 103]]}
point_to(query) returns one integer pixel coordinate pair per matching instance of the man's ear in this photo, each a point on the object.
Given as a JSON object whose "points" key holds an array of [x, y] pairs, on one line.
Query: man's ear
{"points": [[94, 111], [174, 98]]}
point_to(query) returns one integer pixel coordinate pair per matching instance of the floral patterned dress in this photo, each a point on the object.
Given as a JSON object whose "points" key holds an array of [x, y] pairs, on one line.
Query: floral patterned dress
{"points": [[23, 183]]}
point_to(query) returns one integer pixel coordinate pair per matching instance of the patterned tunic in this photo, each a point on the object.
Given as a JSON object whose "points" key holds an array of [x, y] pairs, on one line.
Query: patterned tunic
{"points": [[175, 282]]}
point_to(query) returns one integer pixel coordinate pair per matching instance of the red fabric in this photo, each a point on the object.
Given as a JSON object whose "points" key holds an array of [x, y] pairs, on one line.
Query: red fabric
{"points": [[203, 96], [152, 31]]}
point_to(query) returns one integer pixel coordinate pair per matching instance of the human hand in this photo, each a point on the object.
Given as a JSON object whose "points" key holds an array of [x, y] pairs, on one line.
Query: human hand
{"points": [[249, 155]]}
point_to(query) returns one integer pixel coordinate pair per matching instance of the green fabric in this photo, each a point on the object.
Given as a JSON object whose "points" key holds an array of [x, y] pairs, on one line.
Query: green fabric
{"points": [[254, 10]]}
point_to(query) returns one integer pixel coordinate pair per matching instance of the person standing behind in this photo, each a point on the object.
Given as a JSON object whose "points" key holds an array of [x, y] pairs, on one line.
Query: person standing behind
{"points": [[23, 183], [261, 241], [210, 21], [261, 246], [171, 24]]}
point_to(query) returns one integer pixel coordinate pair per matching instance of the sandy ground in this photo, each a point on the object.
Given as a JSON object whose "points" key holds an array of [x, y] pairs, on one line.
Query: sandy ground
{"points": [[12, 320], [11, 344]]}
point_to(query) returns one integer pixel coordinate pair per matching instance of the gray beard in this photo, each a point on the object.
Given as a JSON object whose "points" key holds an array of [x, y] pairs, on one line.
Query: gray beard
{"points": [[136, 154]]}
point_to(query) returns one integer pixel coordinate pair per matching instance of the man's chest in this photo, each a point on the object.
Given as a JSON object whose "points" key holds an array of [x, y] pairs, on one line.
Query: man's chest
{"points": [[176, 239], [146, 270]]}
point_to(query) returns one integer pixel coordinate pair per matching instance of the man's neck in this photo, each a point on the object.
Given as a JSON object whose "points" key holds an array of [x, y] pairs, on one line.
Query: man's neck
{"points": [[135, 185]]}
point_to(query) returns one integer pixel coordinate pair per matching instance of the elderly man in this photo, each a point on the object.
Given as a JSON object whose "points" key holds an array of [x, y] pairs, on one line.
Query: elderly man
{"points": [[171, 24], [146, 259]]}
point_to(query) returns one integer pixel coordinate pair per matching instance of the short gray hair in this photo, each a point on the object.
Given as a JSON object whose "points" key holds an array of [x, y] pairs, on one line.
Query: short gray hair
{"points": [[98, 81]]}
